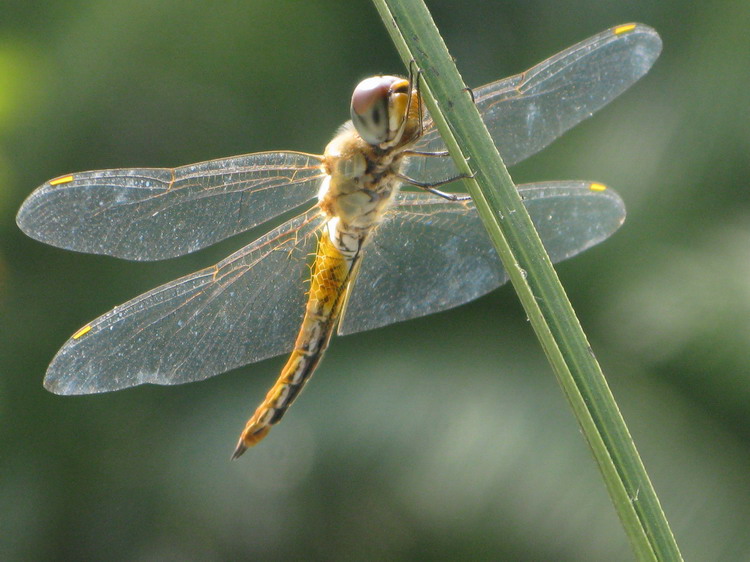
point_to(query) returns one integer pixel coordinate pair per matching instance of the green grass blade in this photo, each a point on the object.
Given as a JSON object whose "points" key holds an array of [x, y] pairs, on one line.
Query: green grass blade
{"points": [[546, 304]]}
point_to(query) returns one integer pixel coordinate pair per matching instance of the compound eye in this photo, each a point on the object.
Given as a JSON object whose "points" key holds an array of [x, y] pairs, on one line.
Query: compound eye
{"points": [[369, 109]]}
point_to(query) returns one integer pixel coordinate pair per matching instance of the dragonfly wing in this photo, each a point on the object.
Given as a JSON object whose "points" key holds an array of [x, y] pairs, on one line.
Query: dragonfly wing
{"points": [[245, 308], [526, 112], [430, 254], [158, 213]]}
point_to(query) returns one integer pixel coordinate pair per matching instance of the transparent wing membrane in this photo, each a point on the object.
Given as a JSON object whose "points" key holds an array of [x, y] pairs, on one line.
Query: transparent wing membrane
{"points": [[246, 308], [526, 112], [158, 213], [430, 254]]}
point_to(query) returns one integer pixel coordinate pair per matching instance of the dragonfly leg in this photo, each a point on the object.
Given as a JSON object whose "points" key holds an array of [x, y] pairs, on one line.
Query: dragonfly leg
{"points": [[425, 153], [431, 187], [414, 73]]}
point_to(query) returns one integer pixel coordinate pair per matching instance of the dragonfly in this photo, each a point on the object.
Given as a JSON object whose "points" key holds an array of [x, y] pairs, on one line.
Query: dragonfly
{"points": [[364, 254]]}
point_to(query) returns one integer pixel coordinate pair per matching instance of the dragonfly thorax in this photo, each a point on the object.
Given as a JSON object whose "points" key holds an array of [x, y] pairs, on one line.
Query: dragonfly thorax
{"points": [[362, 181]]}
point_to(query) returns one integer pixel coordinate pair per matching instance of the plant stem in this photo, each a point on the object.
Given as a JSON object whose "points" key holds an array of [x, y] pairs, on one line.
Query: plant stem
{"points": [[533, 277]]}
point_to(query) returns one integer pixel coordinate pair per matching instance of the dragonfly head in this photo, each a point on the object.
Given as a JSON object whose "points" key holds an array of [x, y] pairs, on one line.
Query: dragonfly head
{"points": [[383, 107]]}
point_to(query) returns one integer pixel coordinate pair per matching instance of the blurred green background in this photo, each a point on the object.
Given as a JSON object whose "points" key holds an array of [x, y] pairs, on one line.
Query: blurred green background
{"points": [[440, 438]]}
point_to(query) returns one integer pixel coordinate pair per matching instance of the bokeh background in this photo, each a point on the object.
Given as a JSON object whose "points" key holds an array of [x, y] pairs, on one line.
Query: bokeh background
{"points": [[440, 438]]}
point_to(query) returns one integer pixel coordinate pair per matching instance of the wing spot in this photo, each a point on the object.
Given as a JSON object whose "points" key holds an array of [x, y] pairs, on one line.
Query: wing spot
{"points": [[64, 179], [82, 332], [620, 29], [597, 187]]}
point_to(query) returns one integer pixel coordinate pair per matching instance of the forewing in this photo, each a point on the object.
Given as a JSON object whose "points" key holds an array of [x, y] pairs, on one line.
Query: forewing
{"points": [[526, 112], [430, 254], [244, 309], [158, 213]]}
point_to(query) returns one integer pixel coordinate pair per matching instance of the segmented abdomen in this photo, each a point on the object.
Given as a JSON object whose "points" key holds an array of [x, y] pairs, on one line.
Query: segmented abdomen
{"points": [[330, 277]]}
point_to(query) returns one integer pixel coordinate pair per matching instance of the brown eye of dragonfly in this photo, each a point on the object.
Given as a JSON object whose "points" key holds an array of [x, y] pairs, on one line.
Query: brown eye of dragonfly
{"points": [[370, 108]]}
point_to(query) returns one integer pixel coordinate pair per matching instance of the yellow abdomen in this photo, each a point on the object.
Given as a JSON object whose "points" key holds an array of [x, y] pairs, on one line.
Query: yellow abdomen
{"points": [[330, 277]]}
